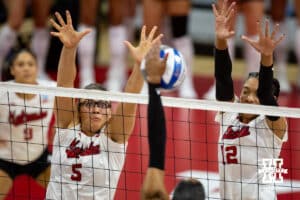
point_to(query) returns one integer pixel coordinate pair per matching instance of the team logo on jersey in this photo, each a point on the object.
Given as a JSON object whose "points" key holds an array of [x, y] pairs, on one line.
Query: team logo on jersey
{"points": [[272, 170], [234, 132], [24, 117], [75, 151]]}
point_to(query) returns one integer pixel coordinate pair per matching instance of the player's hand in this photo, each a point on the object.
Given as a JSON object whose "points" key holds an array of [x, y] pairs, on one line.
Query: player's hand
{"points": [[154, 65], [224, 15], [65, 32], [145, 44], [266, 42], [153, 186]]}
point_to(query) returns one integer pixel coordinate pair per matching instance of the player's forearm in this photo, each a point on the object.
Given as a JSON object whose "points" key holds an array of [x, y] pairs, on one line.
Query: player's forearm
{"points": [[223, 69], [135, 81], [156, 130], [67, 67]]}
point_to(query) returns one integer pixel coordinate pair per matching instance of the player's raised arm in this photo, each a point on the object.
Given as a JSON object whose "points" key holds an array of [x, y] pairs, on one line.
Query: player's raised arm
{"points": [[123, 120], [65, 107], [153, 185], [268, 87], [224, 14]]}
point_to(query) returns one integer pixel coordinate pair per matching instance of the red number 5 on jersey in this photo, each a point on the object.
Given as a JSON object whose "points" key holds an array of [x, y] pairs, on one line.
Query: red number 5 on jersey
{"points": [[76, 176], [229, 154]]}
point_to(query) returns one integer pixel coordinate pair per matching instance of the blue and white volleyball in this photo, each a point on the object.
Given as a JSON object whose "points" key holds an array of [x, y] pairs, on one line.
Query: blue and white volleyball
{"points": [[175, 70]]}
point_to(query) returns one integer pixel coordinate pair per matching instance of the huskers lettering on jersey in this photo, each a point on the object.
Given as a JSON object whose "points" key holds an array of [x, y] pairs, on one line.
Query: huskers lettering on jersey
{"points": [[73, 151], [241, 150], [84, 167], [25, 126]]}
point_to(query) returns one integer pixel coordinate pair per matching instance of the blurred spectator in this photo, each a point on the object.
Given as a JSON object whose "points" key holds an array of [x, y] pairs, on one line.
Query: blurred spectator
{"points": [[154, 12], [118, 17], [40, 40], [278, 9]]}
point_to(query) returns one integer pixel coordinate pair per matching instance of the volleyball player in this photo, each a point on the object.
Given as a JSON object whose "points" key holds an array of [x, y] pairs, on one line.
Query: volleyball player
{"points": [[153, 185], [26, 124], [246, 139], [90, 145], [40, 39]]}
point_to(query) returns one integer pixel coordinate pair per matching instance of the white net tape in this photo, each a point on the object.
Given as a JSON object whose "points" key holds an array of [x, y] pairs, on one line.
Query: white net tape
{"points": [[143, 99]]}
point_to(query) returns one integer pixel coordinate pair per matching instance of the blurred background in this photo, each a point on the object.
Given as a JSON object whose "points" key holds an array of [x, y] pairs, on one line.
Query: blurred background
{"points": [[200, 29]]}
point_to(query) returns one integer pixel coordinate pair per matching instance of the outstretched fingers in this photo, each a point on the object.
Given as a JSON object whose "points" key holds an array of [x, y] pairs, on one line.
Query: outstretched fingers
{"points": [[55, 34], [83, 33], [274, 33], [152, 33], [248, 40], [60, 19], [224, 7], [258, 27], [69, 18], [267, 28], [157, 39], [143, 34], [230, 10], [129, 46], [55, 25], [279, 39], [216, 13]]}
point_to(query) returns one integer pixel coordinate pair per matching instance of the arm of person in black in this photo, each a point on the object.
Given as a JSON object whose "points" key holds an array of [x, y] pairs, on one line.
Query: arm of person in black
{"points": [[224, 14], [153, 184], [156, 129], [266, 88], [223, 69]]}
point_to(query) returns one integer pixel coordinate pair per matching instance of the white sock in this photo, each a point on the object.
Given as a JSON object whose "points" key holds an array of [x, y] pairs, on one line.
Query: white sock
{"points": [[297, 51], [86, 53], [252, 57], [8, 38], [117, 70], [185, 46], [231, 48], [40, 45]]}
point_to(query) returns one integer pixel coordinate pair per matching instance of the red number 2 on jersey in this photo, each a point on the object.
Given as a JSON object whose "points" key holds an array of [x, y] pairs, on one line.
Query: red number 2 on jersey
{"points": [[229, 154], [76, 176]]}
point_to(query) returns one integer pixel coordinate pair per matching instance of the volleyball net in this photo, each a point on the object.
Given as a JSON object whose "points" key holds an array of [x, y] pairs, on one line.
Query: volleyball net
{"points": [[191, 151]]}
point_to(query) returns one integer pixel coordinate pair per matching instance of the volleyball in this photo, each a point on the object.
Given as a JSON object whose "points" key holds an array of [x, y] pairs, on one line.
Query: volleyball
{"points": [[175, 70]]}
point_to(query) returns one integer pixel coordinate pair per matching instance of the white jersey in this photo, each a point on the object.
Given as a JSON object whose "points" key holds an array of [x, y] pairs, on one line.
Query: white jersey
{"points": [[25, 126], [84, 167], [240, 152]]}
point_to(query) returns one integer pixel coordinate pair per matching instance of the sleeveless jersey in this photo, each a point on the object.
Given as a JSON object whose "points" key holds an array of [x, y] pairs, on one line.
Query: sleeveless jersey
{"points": [[84, 167], [240, 152], [24, 126]]}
